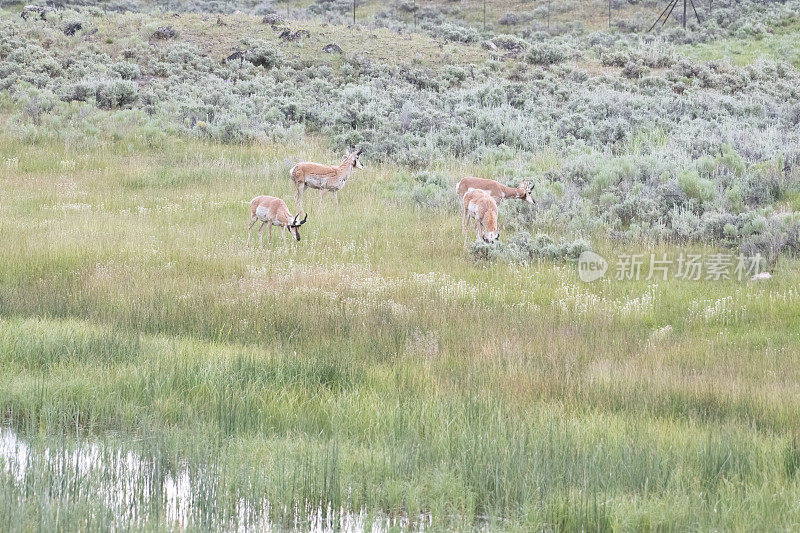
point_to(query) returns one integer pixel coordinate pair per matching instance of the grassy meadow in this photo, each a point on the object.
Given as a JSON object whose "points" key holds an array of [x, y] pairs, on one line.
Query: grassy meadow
{"points": [[372, 367]]}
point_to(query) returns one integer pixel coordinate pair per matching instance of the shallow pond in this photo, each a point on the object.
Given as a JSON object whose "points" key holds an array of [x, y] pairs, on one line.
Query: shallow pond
{"points": [[70, 482]]}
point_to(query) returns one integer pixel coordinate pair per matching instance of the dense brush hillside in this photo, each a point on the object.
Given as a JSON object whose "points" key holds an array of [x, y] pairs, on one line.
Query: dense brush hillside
{"points": [[648, 138]]}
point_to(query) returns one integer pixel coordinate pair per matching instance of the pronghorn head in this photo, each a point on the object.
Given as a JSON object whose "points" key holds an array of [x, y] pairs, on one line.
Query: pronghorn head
{"points": [[294, 225], [490, 232], [528, 192], [354, 157]]}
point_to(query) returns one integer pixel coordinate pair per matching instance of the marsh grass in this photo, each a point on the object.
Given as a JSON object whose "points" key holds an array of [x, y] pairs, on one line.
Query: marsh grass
{"points": [[372, 368]]}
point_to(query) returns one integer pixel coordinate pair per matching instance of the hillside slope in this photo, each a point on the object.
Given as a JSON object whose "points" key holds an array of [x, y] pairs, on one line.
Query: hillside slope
{"points": [[641, 141]]}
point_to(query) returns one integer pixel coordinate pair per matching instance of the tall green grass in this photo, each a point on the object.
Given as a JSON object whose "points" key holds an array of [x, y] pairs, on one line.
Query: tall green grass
{"points": [[373, 367]]}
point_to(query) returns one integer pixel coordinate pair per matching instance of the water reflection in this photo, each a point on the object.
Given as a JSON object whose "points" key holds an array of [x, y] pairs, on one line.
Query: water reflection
{"points": [[138, 491]]}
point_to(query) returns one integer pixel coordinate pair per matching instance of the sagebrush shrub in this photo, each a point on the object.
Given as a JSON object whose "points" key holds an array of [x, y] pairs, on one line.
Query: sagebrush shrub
{"points": [[522, 247], [693, 186], [546, 53], [264, 55], [112, 94], [126, 70], [634, 70]]}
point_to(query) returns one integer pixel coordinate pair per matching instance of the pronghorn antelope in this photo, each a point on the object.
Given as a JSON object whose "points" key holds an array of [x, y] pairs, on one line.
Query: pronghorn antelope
{"points": [[273, 211], [323, 177], [478, 204], [497, 190]]}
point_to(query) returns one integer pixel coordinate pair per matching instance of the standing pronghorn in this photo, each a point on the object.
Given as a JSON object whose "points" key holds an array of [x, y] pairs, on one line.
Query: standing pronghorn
{"points": [[323, 177], [478, 204], [497, 190], [273, 211]]}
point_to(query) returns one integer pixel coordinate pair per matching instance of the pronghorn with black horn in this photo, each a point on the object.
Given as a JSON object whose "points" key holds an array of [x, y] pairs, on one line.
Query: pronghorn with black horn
{"points": [[496, 190], [323, 177], [273, 211], [480, 206]]}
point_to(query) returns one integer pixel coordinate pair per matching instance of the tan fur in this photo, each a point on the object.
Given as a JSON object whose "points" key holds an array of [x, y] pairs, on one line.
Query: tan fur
{"points": [[272, 211], [480, 206], [323, 177], [497, 190]]}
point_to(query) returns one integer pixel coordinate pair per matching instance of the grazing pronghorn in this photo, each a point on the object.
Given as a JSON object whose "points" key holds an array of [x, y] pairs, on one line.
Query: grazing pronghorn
{"points": [[478, 204], [323, 177], [497, 190], [273, 211]]}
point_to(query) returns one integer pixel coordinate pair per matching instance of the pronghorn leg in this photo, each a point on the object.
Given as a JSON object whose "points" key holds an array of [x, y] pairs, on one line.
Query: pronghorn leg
{"points": [[336, 197], [250, 228], [269, 239], [298, 195], [477, 230], [464, 227], [261, 235], [283, 233], [322, 194]]}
